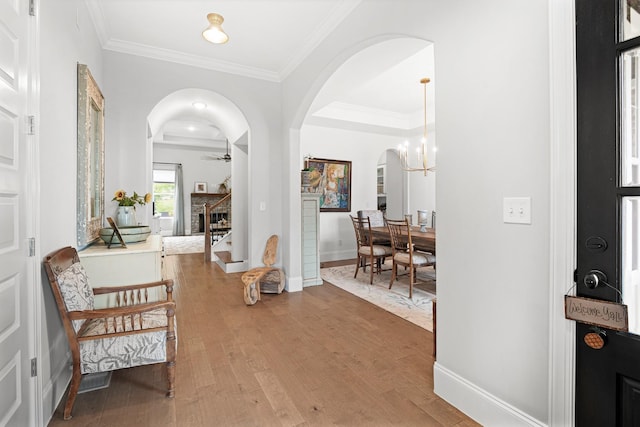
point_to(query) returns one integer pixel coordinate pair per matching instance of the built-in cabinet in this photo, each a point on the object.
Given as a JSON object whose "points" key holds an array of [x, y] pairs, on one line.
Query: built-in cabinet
{"points": [[116, 266], [381, 188], [310, 239]]}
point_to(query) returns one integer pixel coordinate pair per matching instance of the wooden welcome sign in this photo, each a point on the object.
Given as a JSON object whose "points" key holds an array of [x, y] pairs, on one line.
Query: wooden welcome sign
{"points": [[606, 314]]}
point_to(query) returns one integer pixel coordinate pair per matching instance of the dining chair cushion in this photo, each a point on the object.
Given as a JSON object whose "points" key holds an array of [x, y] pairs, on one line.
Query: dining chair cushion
{"points": [[377, 250], [75, 290], [419, 258]]}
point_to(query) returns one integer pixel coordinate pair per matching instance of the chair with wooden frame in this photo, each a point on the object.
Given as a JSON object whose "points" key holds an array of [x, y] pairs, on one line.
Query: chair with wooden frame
{"points": [[376, 219], [136, 332], [404, 253], [368, 253]]}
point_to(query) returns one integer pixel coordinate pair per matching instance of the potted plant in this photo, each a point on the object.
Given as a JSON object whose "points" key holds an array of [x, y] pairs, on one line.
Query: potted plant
{"points": [[126, 214]]}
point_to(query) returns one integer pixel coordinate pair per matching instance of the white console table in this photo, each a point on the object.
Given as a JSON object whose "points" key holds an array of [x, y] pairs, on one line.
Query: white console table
{"points": [[136, 264]]}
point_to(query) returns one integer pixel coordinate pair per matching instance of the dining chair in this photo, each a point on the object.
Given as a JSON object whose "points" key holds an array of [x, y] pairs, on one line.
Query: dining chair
{"points": [[404, 253], [368, 253], [376, 219], [136, 332]]}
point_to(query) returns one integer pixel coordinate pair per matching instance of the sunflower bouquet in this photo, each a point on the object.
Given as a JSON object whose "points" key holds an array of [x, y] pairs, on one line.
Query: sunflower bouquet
{"points": [[124, 200]]}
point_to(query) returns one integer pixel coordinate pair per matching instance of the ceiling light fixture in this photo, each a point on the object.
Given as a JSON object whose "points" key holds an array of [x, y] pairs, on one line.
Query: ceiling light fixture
{"points": [[199, 105], [421, 151], [214, 32]]}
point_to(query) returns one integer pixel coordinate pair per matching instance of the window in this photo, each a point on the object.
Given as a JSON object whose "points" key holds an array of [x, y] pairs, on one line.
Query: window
{"points": [[164, 190]]}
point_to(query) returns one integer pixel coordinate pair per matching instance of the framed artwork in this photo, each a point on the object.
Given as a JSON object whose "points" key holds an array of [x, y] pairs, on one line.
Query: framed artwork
{"points": [[332, 179], [90, 184], [201, 187]]}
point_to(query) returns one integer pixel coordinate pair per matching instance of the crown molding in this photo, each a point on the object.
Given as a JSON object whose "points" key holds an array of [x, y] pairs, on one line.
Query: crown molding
{"points": [[188, 59], [146, 51], [372, 116], [337, 15], [99, 23]]}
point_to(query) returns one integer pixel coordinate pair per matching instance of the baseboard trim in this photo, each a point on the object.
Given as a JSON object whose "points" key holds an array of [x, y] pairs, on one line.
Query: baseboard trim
{"points": [[338, 255], [477, 403], [293, 284]]}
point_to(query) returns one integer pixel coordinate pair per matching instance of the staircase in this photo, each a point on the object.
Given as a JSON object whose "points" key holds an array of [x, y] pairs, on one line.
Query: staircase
{"points": [[217, 236]]}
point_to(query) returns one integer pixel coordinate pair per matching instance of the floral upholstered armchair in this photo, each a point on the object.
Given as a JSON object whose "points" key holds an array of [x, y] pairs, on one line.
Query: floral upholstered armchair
{"points": [[136, 332]]}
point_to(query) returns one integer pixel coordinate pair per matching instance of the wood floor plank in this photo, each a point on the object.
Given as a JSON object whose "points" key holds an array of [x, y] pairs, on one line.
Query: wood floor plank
{"points": [[313, 358]]}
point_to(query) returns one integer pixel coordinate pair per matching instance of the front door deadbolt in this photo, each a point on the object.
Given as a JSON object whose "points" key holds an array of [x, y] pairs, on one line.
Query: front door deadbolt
{"points": [[594, 278]]}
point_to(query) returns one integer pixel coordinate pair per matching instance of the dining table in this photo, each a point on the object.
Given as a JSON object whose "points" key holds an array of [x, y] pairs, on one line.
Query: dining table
{"points": [[424, 241]]}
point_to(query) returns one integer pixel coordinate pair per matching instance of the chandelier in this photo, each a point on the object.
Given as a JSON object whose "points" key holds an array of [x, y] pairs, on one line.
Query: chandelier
{"points": [[420, 164]]}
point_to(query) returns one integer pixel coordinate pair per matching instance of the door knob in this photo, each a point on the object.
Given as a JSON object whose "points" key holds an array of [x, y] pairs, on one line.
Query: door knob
{"points": [[594, 278]]}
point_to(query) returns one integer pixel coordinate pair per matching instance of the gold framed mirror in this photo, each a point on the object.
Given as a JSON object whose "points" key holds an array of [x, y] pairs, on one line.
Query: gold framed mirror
{"points": [[90, 185]]}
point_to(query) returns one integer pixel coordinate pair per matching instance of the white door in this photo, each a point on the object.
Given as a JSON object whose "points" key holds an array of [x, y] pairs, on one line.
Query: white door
{"points": [[16, 268]]}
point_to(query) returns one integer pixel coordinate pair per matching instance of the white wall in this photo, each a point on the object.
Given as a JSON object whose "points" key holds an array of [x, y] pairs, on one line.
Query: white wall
{"points": [[337, 238], [493, 139], [135, 85], [63, 43], [194, 169]]}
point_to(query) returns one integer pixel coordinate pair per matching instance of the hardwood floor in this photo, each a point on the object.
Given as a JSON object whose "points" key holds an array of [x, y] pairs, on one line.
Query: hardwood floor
{"points": [[315, 358]]}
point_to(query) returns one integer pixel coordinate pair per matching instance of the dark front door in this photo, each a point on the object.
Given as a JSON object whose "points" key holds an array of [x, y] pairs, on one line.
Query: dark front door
{"points": [[608, 204]]}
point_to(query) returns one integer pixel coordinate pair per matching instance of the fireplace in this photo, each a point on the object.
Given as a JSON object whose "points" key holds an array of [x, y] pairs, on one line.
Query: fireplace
{"points": [[215, 217], [198, 201]]}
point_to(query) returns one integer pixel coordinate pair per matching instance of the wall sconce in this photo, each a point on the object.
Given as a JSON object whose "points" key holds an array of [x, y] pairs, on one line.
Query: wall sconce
{"points": [[214, 33]]}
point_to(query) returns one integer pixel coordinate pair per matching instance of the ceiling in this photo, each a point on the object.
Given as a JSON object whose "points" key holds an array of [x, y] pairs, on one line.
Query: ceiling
{"points": [[378, 87]]}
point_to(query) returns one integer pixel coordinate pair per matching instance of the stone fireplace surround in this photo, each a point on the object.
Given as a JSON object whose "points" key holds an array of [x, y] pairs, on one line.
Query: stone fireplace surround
{"points": [[197, 207]]}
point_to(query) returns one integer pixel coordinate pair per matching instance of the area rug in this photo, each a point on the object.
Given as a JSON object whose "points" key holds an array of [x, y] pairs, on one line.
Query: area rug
{"points": [[417, 310], [175, 245]]}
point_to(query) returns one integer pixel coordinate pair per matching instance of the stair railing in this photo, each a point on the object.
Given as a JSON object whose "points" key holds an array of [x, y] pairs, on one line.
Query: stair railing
{"points": [[222, 206]]}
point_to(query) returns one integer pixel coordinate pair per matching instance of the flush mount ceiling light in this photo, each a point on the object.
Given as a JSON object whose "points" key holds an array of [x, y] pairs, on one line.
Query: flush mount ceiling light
{"points": [[214, 33]]}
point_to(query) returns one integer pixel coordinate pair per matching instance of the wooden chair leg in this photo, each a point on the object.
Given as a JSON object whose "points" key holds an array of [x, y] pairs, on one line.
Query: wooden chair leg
{"points": [[358, 265], [171, 363], [394, 269], [412, 273], [371, 261], [76, 378], [434, 301]]}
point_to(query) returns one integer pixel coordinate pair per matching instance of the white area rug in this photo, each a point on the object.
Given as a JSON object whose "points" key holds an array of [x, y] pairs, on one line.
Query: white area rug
{"points": [[417, 310], [174, 245]]}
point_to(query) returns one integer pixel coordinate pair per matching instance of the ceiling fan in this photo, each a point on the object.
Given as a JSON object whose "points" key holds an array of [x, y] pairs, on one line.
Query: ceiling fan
{"points": [[226, 157]]}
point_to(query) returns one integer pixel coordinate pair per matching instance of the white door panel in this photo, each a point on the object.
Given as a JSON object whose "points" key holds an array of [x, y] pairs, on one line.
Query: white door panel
{"points": [[15, 325]]}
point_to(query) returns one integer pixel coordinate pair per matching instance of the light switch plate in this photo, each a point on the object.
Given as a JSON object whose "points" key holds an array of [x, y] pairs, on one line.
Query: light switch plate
{"points": [[517, 210]]}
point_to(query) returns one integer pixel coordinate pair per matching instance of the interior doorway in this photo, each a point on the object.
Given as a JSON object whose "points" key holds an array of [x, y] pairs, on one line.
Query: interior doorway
{"points": [[208, 136]]}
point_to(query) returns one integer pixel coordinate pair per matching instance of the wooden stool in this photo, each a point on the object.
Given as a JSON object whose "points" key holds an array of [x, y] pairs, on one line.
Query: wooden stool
{"points": [[253, 277]]}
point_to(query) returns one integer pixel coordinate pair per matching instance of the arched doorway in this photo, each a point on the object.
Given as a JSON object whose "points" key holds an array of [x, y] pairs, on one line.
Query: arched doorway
{"points": [[208, 136], [370, 104]]}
